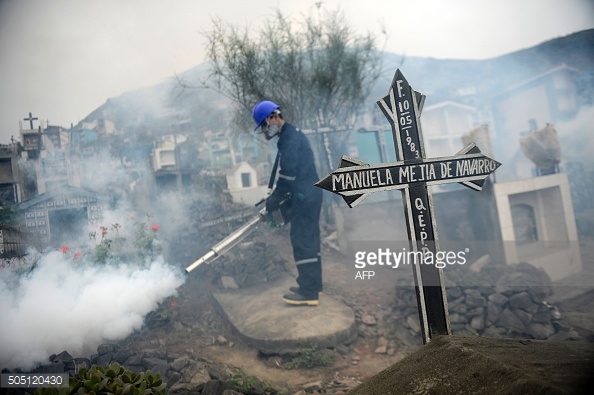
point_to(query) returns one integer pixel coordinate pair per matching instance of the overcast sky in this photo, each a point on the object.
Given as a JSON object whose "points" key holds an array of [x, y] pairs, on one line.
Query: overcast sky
{"points": [[61, 59]]}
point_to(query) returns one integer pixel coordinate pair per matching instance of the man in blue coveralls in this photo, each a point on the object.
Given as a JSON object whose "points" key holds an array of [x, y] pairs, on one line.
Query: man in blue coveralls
{"points": [[297, 176]]}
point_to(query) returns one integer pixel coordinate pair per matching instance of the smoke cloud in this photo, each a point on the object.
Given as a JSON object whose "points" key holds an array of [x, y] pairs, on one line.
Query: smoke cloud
{"points": [[576, 137], [68, 303]]}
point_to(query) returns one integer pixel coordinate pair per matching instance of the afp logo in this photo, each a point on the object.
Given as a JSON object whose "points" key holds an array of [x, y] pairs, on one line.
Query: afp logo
{"points": [[364, 274]]}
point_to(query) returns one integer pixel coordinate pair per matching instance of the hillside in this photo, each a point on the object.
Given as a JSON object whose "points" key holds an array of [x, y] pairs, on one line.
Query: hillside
{"points": [[438, 79]]}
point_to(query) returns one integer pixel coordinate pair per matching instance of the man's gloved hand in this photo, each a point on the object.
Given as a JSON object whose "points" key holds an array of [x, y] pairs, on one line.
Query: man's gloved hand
{"points": [[272, 203]]}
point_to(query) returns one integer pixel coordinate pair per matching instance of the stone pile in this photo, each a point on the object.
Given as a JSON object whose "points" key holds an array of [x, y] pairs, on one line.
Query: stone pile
{"points": [[514, 305]]}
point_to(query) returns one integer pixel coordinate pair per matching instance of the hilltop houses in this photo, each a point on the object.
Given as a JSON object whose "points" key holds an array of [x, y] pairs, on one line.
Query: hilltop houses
{"points": [[57, 176]]}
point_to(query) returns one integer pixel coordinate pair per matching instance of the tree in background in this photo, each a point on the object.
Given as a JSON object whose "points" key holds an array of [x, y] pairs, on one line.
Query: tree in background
{"points": [[319, 71]]}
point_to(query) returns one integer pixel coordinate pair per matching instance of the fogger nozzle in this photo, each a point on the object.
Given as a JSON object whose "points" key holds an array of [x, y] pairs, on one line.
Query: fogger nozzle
{"points": [[205, 258]]}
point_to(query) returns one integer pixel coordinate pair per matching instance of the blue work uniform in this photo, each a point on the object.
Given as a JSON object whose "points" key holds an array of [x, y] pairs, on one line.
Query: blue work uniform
{"points": [[297, 175]]}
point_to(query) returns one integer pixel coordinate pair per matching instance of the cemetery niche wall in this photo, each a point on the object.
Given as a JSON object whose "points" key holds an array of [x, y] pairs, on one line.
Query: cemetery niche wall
{"points": [[59, 216]]}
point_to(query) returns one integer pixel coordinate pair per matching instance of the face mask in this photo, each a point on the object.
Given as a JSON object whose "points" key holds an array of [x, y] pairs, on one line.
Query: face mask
{"points": [[270, 131]]}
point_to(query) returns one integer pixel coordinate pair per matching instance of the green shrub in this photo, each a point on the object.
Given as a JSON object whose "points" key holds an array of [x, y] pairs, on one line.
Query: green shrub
{"points": [[240, 381], [310, 358], [114, 379]]}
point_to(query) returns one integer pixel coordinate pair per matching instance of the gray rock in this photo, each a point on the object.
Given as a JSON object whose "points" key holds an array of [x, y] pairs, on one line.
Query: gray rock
{"points": [[524, 316], [454, 292], [477, 323], [525, 277], [191, 382], [64, 356], [180, 363], [532, 309], [521, 300], [122, 356], [173, 378], [156, 353], [381, 350], [54, 367], [459, 308], [413, 323], [457, 319], [476, 311], [457, 302], [475, 301], [542, 317], [406, 338], [498, 299], [493, 311], [368, 319], [213, 387], [495, 332], [218, 371], [504, 290], [313, 386], [221, 340], [486, 291], [229, 282], [509, 320], [108, 348], [382, 341], [472, 292], [540, 331], [135, 359], [565, 335], [156, 365], [102, 360]]}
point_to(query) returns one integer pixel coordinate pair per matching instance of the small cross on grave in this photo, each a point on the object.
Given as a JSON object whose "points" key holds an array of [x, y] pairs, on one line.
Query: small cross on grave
{"points": [[31, 119], [355, 180]]}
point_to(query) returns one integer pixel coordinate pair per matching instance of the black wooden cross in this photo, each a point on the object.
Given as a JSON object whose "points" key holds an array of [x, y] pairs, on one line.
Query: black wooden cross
{"points": [[30, 119], [355, 180]]}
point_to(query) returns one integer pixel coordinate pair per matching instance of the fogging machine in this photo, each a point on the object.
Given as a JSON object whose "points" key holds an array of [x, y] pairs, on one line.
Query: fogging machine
{"points": [[276, 218]]}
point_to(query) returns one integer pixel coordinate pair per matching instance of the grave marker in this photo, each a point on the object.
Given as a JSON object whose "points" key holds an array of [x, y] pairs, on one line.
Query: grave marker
{"points": [[31, 119], [355, 180]]}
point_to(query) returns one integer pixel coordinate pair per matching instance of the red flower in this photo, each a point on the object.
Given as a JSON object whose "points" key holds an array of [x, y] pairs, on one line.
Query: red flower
{"points": [[77, 255], [155, 228], [103, 230], [173, 303], [64, 249]]}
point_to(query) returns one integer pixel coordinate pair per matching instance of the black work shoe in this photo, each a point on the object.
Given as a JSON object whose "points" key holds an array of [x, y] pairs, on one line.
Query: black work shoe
{"points": [[297, 290], [299, 300]]}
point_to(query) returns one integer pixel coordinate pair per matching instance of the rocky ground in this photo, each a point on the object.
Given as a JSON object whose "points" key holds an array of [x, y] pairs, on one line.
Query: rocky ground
{"points": [[191, 327], [190, 344]]}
